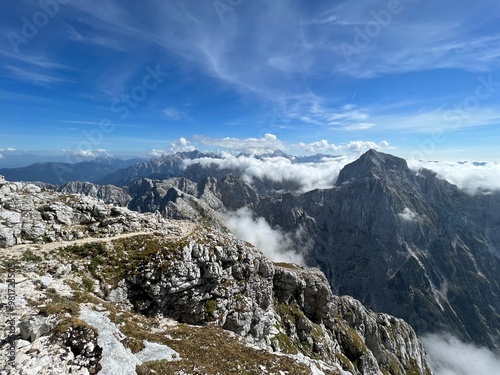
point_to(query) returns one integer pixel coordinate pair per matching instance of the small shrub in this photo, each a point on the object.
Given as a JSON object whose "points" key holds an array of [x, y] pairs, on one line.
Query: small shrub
{"points": [[210, 307], [88, 284], [95, 262]]}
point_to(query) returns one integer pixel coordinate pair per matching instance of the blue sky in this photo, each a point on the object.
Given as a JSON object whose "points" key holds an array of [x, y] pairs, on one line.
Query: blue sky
{"points": [[417, 78]]}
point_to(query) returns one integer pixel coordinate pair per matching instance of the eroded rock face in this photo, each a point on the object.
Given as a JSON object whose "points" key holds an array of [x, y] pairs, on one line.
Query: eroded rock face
{"points": [[107, 193], [218, 279], [319, 320]]}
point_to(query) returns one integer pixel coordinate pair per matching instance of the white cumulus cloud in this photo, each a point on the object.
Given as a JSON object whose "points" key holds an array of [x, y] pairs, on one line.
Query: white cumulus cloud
{"points": [[180, 145], [275, 244], [268, 143], [156, 153], [449, 356], [86, 153]]}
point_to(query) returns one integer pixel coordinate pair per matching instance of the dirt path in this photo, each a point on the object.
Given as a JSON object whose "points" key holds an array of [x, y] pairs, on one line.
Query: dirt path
{"points": [[186, 228]]}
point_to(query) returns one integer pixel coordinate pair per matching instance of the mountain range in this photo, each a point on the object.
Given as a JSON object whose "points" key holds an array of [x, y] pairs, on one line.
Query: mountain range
{"points": [[403, 242], [60, 173]]}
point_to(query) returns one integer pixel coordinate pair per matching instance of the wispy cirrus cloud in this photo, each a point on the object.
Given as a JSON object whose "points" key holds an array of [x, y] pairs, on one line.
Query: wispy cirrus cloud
{"points": [[348, 117], [36, 77], [173, 114], [304, 43]]}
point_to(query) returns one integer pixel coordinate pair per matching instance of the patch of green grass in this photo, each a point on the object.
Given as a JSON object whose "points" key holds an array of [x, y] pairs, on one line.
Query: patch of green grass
{"points": [[292, 312], [95, 262], [207, 348], [91, 249], [57, 304], [30, 256], [133, 344], [285, 344]]}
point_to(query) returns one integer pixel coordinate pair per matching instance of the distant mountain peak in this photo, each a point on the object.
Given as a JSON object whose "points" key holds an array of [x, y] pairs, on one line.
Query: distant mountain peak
{"points": [[373, 164], [279, 153]]}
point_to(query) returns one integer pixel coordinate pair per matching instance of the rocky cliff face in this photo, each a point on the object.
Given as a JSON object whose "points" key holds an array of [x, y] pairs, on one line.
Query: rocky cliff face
{"points": [[107, 193], [161, 295], [226, 193], [217, 279], [406, 243]]}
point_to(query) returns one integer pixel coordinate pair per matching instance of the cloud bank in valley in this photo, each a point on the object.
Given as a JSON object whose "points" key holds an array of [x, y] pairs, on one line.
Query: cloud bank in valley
{"points": [[351, 148], [449, 356], [469, 176], [275, 244], [309, 176], [268, 143], [321, 171]]}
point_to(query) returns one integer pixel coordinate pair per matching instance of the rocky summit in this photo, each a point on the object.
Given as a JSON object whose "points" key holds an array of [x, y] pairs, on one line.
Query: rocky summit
{"points": [[94, 288], [405, 242]]}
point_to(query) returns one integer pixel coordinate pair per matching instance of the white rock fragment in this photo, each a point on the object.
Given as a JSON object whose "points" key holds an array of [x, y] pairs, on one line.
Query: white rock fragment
{"points": [[116, 359]]}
